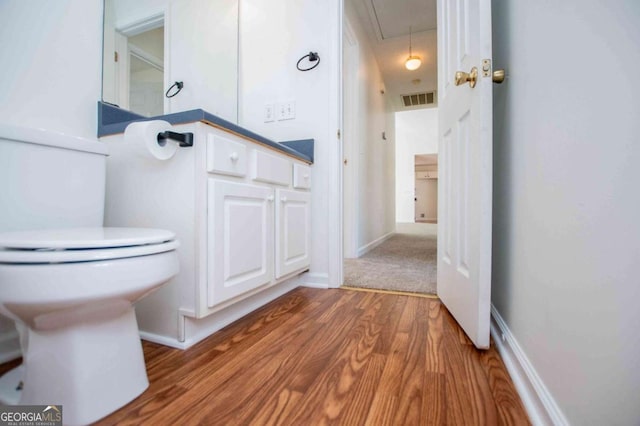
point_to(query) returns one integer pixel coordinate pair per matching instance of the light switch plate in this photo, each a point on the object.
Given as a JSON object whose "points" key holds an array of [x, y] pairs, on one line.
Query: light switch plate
{"points": [[286, 110]]}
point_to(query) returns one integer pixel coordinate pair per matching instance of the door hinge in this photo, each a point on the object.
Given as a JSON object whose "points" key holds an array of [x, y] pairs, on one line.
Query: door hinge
{"points": [[115, 56], [338, 133], [486, 67]]}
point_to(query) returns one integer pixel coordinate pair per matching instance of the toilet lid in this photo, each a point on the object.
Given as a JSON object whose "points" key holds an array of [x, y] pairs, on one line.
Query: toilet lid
{"points": [[83, 244]]}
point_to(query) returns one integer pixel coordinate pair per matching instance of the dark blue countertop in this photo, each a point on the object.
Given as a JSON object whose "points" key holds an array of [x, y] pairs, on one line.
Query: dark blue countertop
{"points": [[113, 120]]}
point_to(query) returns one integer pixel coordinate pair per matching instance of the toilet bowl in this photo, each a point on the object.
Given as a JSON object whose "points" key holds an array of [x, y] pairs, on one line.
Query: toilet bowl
{"points": [[71, 292], [69, 284]]}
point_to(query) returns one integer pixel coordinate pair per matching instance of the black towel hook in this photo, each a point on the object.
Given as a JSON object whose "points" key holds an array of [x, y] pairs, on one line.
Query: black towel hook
{"points": [[313, 57], [178, 85]]}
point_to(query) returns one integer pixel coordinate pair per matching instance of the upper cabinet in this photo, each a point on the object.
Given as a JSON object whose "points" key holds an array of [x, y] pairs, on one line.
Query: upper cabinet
{"points": [[149, 45]]}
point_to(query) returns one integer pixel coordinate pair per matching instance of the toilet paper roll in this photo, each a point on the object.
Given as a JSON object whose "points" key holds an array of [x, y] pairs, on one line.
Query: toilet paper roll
{"points": [[144, 136]]}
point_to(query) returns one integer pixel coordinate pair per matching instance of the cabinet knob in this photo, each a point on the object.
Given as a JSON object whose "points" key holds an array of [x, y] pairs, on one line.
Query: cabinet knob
{"points": [[234, 156], [270, 198], [283, 199]]}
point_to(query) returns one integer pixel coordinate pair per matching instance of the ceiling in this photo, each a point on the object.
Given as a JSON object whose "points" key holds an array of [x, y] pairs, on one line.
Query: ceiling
{"points": [[387, 25]]}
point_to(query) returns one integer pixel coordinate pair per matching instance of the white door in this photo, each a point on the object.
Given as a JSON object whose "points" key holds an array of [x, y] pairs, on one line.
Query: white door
{"points": [[465, 178], [240, 239], [293, 239]]}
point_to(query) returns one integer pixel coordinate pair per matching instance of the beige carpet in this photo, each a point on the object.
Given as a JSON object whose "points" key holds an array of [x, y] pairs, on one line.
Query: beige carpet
{"points": [[404, 262]]}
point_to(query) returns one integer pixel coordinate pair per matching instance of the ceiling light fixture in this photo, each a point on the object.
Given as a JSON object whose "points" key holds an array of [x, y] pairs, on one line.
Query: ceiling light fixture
{"points": [[412, 62]]}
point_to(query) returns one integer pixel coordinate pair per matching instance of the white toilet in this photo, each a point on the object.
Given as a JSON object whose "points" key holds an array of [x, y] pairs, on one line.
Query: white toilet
{"points": [[69, 283]]}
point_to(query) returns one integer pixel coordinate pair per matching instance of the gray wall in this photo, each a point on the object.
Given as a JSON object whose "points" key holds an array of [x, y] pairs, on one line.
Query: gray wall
{"points": [[567, 198]]}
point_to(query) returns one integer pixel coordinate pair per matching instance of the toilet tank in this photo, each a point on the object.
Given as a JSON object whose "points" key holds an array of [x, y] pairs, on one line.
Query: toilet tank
{"points": [[50, 180]]}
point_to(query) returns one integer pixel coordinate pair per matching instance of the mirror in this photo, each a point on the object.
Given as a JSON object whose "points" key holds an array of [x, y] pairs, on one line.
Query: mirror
{"points": [[148, 45], [133, 60], [146, 73]]}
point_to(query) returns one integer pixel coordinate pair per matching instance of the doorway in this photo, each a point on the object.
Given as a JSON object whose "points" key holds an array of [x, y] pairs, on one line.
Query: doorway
{"points": [[426, 188], [390, 116]]}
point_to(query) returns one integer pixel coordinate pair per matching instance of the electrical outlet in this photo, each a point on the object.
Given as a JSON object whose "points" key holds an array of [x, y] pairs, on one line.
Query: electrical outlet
{"points": [[290, 110], [286, 110], [269, 113]]}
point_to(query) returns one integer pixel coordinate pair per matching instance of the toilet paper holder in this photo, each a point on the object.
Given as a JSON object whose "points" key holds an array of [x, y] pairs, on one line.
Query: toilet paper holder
{"points": [[183, 139]]}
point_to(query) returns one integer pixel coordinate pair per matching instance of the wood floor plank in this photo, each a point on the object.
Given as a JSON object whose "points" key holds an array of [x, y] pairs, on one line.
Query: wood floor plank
{"points": [[510, 409], [435, 353], [360, 399], [388, 317], [326, 399], [410, 395], [278, 413], [468, 394], [328, 357], [434, 403]]}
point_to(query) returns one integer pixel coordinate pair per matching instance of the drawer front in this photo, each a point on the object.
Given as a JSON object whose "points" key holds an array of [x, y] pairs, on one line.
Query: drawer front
{"points": [[301, 176], [225, 156], [271, 169]]}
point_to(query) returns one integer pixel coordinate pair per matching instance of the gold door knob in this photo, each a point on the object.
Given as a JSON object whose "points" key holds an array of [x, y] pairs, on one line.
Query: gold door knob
{"points": [[498, 76], [471, 78]]}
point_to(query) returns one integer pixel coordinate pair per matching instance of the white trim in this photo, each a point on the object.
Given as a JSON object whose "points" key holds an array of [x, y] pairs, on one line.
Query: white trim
{"points": [[163, 340], [147, 57], [139, 25], [373, 244], [350, 141], [537, 400], [11, 341], [314, 280], [334, 211]]}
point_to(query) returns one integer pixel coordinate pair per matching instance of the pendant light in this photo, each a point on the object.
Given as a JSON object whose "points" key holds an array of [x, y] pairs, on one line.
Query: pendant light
{"points": [[412, 62]]}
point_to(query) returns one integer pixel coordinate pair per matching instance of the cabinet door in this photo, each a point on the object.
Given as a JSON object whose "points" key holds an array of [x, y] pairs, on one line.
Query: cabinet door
{"points": [[240, 239], [293, 216]]}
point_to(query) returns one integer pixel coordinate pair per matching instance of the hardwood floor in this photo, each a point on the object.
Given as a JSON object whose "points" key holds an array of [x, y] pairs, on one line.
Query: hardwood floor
{"points": [[329, 357]]}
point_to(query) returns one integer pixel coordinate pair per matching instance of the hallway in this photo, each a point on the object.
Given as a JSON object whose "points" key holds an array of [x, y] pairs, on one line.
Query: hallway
{"points": [[405, 262]]}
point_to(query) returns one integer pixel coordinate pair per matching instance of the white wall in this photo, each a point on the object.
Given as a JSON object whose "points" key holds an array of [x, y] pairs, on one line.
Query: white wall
{"points": [[416, 133], [51, 64], [51, 59], [372, 159], [273, 36], [566, 199]]}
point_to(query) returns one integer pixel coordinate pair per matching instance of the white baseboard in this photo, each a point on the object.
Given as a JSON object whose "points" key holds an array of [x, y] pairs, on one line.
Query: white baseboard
{"points": [[163, 340], [537, 399], [200, 329], [9, 346], [314, 280], [373, 244]]}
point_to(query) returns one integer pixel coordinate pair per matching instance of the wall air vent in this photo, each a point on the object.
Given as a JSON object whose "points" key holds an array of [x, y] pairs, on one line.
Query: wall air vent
{"points": [[416, 99]]}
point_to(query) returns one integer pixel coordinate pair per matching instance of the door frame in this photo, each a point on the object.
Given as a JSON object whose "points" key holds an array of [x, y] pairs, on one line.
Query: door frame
{"points": [[122, 32], [335, 212], [351, 148]]}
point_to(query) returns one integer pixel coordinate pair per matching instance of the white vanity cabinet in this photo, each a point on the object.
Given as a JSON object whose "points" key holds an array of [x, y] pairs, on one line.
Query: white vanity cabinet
{"points": [[257, 219], [241, 211]]}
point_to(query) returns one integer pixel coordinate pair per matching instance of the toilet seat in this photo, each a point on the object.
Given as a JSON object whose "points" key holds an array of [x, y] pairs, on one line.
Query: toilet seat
{"points": [[83, 244]]}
